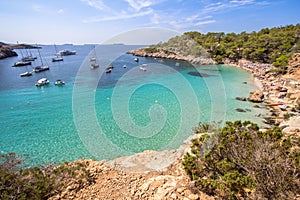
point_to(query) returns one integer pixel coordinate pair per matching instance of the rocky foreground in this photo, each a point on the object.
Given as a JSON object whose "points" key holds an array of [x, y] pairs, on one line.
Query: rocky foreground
{"points": [[165, 54], [148, 175]]}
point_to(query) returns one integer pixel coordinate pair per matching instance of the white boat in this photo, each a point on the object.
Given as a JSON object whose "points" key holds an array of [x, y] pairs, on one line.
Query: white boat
{"points": [[21, 63], [26, 74], [29, 58], [94, 65], [42, 67], [124, 66], [59, 82], [65, 53], [41, 82], [107, 70], [57, 58], [136, 59], [143, 67]]}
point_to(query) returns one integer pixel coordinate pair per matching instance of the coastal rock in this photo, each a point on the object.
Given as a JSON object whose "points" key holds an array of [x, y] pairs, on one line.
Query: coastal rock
{"points": [[241, 98], [256, 97], [163, 53], [240, 110], [291, 126], [7, 52]]}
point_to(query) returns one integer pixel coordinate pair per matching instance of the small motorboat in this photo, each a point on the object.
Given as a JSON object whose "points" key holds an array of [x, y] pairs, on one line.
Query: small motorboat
{"points": [[143, 67], [136, 59], [59, 82], [94, 65], [41, 82], [40, 69], [107, 70], [124, 66], [57, 59], [110, 67], [21, 63], [92, 59], [26, 74]]}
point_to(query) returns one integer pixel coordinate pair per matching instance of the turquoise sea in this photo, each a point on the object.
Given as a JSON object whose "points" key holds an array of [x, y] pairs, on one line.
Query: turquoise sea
{"points": [[104, 116]]}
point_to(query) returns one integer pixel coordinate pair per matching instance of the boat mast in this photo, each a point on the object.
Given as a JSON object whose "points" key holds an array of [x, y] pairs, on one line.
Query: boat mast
{"points": [[40, 55], [20, 51]]}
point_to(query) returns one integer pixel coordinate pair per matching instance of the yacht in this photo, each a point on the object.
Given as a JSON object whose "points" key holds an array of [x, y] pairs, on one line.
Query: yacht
{"points": [[41, 82], [21, 63], [26, 74], [65, 53], [57, 59], [40, 69]]}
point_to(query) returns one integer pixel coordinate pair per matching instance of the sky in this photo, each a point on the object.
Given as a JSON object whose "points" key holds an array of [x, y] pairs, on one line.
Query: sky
{"points": [[97, 21]]}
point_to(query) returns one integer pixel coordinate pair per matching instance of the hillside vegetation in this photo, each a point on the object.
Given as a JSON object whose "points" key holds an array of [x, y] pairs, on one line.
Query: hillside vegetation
{"points": [[240, 162], [269, 45]]}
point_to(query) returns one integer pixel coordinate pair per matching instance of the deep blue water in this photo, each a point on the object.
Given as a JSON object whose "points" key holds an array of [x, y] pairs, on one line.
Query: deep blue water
{"points": [[104, 116]]}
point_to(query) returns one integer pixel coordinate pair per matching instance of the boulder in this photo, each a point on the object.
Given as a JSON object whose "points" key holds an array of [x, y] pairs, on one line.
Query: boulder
{"points": [[241, 98], [240, 110], [256, 97]]}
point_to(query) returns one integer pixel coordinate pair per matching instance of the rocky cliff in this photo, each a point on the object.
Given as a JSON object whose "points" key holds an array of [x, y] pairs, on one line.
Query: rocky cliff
{"points": [[6, 52], [163, 53]]}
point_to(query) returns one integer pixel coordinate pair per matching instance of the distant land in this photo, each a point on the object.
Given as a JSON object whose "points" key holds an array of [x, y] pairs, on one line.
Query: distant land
{"points": [[6, 50]]}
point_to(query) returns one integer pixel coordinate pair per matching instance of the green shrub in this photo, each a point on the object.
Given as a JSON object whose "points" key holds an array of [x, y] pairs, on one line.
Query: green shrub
{"points": [[245, 163], [38, 182]]}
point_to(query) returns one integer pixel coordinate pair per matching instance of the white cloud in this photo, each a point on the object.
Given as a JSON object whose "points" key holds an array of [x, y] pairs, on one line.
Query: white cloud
{"points": [[205, 22], [137, 5], [98, 4], [60, 11], [120, 16]]}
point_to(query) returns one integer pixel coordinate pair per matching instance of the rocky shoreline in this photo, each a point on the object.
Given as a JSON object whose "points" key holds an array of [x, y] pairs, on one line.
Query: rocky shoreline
{"points": [[279, 93], [6, 50], [165, 54]]}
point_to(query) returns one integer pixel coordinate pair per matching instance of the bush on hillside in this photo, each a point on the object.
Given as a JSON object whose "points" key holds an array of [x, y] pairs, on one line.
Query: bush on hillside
{"points": [[245, 163], [38, 182]]}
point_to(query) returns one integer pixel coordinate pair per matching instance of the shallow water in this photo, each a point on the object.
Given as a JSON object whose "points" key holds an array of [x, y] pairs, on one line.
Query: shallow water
{"points": [[104, 116]]}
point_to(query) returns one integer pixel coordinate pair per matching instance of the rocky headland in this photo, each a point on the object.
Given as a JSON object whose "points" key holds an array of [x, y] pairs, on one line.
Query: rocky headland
{"points": [[167, 54], [6, 50]]}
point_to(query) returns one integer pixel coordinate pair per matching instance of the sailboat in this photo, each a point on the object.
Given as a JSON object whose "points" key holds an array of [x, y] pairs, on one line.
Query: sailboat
{"points": [[58, 58], [94, 65], [21, 62], [29, 57], [42, 67]]}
